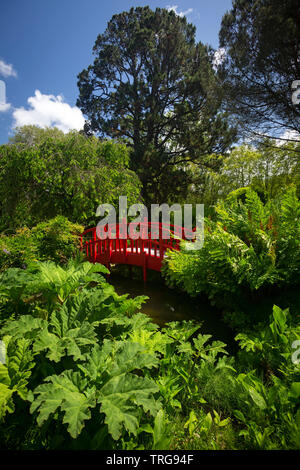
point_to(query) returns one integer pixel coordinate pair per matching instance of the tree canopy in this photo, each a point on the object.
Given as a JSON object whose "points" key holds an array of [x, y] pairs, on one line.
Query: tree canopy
{"points": [[261, 39], [267, 168], [152, 84], [44, 173]]}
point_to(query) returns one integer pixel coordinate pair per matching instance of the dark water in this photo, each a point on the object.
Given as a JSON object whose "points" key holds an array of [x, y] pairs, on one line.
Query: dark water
{"points": [[166, 305]]}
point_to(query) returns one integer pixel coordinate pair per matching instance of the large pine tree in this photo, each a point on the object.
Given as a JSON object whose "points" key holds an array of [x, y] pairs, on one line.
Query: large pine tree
{"points": [[152, 84]]}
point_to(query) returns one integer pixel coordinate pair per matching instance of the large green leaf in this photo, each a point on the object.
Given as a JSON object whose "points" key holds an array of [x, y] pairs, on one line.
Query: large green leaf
{"points": [[68, 392], [19, 361], [15, 374], [257, 398], [104, 377], [119, 397], [51, 343], [98, 362], [74, 343], [6, 403], [161, 439], [280, 317], [56, 283], [132, 356], [26, 326], [152, 341]]}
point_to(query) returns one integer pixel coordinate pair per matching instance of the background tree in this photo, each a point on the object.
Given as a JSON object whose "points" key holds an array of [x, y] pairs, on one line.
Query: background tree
{"points": [[33, 136], [262, 43], [42, 176], [152, 84], [268, 168]]}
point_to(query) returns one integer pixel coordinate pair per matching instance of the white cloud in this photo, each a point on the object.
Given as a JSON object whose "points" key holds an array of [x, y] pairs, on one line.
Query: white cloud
{"points": [[7, 70], [49, 111], [179, 13]]}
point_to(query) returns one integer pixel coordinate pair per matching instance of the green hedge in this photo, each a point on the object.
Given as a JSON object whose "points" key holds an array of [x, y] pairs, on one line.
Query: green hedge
{"points": [[56, 240]]}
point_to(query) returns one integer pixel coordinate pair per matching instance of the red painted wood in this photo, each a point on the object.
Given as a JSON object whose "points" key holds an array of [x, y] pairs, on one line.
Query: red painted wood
{"points": [[147, 253]]}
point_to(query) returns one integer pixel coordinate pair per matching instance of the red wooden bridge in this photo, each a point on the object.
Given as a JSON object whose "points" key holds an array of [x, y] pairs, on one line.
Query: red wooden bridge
{"points": [[136, 244]]}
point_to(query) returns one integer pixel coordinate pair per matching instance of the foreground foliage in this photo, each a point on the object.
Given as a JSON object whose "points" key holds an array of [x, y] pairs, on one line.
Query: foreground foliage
{"points": [[84, 370]]}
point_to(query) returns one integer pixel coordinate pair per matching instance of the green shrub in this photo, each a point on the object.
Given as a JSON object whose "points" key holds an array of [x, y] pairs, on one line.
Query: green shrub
{"points": [[17, 250], [55, 240], [271, 413], [250, 247], [55, 340]]}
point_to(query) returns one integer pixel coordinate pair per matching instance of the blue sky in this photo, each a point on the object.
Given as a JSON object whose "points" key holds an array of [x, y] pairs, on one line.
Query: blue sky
{"points": [[45, 44]]}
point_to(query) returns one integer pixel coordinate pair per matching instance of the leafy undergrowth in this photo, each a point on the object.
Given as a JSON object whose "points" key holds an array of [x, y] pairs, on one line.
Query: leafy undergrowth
{"points": [[251, 251], [56, 240], [85, 370]]}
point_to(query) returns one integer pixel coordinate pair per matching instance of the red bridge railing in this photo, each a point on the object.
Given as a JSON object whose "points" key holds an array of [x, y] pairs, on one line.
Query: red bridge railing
{"points": [[137, 244]]}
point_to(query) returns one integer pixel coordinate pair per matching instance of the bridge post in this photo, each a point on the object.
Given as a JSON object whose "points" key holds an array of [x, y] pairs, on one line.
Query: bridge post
{"points": [[161, 246], [95, 246], [145, 268], [124, 237]]}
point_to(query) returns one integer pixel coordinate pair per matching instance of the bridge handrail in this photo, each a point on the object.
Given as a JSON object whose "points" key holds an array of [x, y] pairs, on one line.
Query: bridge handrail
{"points": [[173, 229]]}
